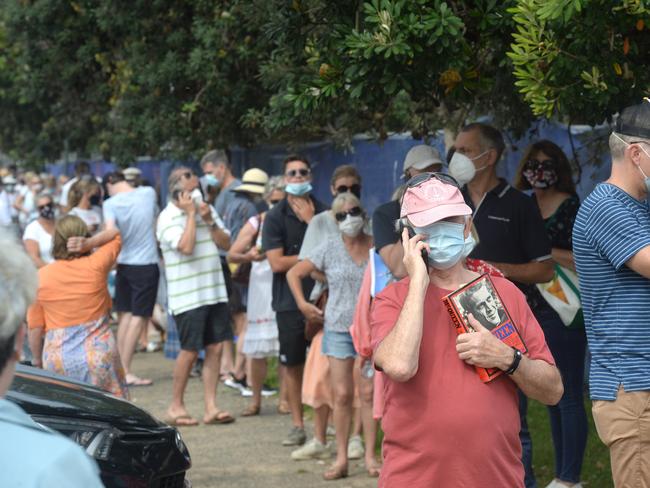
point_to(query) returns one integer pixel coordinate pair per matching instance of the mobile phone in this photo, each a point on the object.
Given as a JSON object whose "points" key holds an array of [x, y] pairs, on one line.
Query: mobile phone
{"points": [[412, 234]]}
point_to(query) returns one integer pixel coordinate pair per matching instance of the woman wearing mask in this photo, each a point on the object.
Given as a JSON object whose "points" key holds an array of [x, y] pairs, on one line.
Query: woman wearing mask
{"points": [[546, 171], [69, 331], [84, 200], [343, 259], [261, 339], [38, 233], [26, 203]]}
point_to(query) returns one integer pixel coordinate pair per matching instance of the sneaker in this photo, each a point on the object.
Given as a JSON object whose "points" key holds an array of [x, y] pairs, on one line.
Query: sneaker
{"points": [[556, 484], [246, 392], [331, 431], [236, 384], [267, 391], [296, 437], [355, 448], [313, 449]]}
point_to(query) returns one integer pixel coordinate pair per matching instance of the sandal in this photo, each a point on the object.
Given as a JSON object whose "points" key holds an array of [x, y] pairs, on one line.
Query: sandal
{"points": [[284, 409], [373, 471], [183, 420], [335, 473], [251, 411], [219, 418]]}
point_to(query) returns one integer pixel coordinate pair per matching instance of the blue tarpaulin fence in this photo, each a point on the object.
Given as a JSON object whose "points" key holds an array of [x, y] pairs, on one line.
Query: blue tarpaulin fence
{"points": [[380, 163]]}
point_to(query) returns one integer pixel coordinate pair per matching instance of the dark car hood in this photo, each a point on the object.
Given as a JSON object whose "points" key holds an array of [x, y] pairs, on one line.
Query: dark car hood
{"points": [[40, 392]]}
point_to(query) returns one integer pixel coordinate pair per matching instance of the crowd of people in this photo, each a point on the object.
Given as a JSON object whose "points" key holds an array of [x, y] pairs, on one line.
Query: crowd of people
{"points": [[256, 268]]}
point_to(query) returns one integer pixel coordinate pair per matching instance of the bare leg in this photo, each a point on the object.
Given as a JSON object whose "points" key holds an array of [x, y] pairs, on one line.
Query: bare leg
{"points": [[240, 322], [182, 368], [343, 389], [321, 416], [366, 389], [211, 378], [123, 319], [130, 338], [256, 379], [227, 358], [293, 382], [284, 396]]}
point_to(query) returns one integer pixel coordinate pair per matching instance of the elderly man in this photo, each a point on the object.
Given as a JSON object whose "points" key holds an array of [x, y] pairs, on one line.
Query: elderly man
{"points": [[611, 245], [32, 456], [442, 425], [189, 231]]}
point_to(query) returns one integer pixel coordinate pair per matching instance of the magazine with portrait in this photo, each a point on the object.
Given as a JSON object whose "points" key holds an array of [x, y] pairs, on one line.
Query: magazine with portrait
{"points": [[481, 299]]}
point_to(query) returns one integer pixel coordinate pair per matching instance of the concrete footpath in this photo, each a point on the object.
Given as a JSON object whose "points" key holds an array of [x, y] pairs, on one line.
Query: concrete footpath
{"points": [[245, 454]]}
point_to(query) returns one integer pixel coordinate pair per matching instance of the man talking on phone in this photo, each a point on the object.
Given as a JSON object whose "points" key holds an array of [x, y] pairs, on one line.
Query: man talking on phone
{"points": [[189, 231]]}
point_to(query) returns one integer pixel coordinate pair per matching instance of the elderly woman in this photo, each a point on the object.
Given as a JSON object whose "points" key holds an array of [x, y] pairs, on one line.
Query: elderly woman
{"points": [[261, 339], [72, 308], [343, 258], [38, 233]]}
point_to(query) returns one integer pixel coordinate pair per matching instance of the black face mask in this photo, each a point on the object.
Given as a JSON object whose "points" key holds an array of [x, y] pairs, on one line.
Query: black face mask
{"points": [[95, 200], [46, 211]]}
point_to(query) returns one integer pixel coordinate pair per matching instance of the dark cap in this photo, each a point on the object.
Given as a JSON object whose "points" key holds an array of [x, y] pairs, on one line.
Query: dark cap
{"points": [[635, 120]]}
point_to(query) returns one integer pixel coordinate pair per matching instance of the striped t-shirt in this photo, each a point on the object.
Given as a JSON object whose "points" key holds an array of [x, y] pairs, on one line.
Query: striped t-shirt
{"points": [[197, 279], [611, 227]]}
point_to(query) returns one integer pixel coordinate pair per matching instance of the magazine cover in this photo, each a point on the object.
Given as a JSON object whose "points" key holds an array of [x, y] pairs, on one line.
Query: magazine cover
{"points": [[481, 299]]}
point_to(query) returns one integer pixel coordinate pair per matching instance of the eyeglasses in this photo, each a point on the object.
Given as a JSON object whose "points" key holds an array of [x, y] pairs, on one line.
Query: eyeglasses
{"points": [[354, 189], [546, 163], [417, 180], [353, 212], [292, 173]]}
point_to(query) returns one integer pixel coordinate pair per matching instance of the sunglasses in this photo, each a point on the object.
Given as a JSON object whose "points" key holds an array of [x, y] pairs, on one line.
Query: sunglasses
{"points": [[188, 174], [274, 202], [292, 173], [354, 189], [353, 212], [47, 205], [546, 163], [417, 180]]}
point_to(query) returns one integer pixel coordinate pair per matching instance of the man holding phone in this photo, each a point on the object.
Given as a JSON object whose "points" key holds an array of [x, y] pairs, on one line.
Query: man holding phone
{"points": [[190, 233]]}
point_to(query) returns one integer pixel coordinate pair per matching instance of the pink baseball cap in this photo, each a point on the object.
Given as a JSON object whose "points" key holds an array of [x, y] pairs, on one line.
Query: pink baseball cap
{"points": [[431, 201]]}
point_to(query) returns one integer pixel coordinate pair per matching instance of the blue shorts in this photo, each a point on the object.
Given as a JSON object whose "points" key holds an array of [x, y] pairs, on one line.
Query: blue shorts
{"points": [[338, 345]]}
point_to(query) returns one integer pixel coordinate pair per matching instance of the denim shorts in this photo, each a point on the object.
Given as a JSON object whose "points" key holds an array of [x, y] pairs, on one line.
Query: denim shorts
{"points": [[338, 345]]}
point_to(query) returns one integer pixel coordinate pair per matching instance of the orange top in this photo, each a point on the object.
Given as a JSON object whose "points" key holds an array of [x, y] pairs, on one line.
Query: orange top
{"points": [[72, 292]]}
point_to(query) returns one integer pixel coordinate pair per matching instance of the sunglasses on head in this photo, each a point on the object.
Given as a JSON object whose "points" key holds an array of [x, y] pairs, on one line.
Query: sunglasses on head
{"points": [[353, 212], [292, 173], [354, 189], [422, 177]]}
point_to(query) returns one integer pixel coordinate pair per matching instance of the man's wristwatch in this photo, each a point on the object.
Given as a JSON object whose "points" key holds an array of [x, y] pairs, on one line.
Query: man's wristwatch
{"points": [[515, 362]]}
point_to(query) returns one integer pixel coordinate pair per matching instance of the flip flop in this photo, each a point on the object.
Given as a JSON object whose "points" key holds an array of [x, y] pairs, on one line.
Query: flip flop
{"points": [[219, 418], [139, 382], [182, 421]]}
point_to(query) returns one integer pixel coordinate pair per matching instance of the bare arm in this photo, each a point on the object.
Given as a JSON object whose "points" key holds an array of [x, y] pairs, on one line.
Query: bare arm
{"points": [[563, 257], [243, 249], [294, 276], [640, 262], [398, 355], [98, 240], [536, 378], [529, 273], [31, 246], [279, 262], [36, 345], [393, 255]]}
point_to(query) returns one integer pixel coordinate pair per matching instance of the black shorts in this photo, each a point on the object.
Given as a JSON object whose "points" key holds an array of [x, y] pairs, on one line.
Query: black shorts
{"points": [[202, 326], [291, 333], [136, 288]]}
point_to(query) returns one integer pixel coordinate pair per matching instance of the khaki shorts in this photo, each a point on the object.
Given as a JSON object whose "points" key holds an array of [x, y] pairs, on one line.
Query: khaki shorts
{"points": [[624, 427]]}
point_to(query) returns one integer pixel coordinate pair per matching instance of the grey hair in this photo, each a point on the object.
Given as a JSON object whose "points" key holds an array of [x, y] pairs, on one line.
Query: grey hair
{"points": [[619, 142], [174, 182], [274, 183], [215, 156], [343, 198], [18, 284]]}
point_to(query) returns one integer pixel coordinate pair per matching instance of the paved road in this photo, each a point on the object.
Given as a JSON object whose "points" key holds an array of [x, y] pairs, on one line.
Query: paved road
{"points": [[245, 454]]}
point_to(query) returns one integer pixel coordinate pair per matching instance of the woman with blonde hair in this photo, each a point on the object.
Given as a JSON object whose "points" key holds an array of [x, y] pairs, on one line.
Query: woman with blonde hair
{"points": [[83, 201], [68, 322]]}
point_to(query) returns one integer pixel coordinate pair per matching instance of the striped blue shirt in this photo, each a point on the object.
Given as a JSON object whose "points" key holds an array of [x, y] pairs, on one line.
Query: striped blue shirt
{"points": [[611, 227]]}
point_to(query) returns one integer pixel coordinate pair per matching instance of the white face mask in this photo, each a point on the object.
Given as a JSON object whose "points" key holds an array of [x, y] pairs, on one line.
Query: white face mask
{"points": [[351, 226], [462, 167], [197, 197], [470, 244]]}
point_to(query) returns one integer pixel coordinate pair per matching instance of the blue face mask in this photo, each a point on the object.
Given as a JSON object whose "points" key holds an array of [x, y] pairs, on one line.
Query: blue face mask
{"points": [[446, 242], [298, 189], [211, 180]]}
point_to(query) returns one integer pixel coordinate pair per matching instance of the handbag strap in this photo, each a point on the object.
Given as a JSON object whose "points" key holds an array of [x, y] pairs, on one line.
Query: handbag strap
{"points": [[567, 280]]}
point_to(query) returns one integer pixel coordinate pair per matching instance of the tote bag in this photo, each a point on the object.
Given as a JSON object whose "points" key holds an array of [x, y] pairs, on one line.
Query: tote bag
{"points": [[563, 294]]}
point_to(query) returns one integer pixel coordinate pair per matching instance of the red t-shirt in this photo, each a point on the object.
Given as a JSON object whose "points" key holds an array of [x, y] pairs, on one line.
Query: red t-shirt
{"points": [[445, 427]]}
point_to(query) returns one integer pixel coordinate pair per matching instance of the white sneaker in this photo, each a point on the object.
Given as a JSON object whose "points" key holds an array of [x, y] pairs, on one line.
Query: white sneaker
{"points": [[556, 484], [331, 431], [355, 447], [313, 449]]}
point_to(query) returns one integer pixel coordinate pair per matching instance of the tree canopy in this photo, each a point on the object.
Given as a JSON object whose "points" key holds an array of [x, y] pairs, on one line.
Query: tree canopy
{"points": [[175, 77]]}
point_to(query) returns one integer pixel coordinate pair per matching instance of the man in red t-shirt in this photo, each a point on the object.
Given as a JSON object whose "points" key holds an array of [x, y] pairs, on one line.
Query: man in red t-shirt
{"points": [[442, 425]]}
